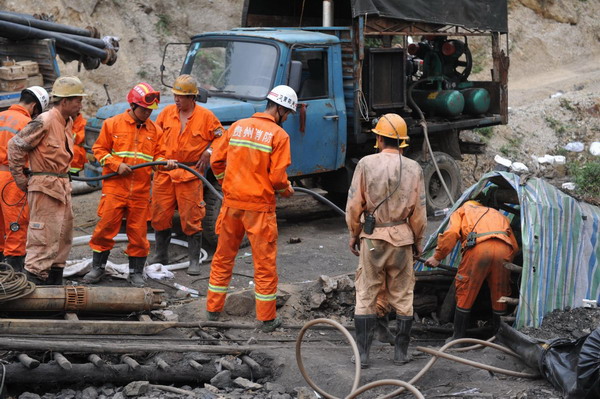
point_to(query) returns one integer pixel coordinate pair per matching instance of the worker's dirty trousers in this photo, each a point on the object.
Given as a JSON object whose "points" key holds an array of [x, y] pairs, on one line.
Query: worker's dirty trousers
{"points": [[187, 197], [13, 208], [261, 228], [111, 210], [50, 233], [484, 261], [383, 263]]}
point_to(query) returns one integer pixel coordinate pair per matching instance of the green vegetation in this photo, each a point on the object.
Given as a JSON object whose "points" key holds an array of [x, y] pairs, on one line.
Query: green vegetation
{"points": [[142, 74], [556, 125], [163, 24], [586, 178], [511, 148], [566, 104]]}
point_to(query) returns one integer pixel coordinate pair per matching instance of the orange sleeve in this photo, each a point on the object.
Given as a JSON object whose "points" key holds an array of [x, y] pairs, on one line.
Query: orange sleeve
{"points": [[218, 159], [356, 203], [448, 239], [281, 158], [103, 147]]}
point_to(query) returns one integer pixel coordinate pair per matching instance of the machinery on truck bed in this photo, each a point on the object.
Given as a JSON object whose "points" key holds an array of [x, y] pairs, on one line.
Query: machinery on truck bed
{"points": [[350, 62]]}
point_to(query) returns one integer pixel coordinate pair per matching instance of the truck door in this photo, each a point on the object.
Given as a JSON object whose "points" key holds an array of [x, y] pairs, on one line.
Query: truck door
{"points": [[317, 148]]}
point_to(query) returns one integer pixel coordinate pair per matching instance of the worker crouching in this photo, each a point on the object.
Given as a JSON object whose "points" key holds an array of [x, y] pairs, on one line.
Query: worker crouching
{"points": [[126, 140], [386, 218]]}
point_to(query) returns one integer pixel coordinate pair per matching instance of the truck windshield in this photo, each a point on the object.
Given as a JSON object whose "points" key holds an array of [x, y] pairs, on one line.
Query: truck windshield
{"points": [[234, 68]]}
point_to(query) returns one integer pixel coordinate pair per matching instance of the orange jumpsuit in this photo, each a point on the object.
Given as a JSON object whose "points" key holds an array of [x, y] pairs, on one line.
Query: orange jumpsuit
{"points": [[484, 261], [250, 162], [121, 140], [179, 188], [48, 143], [79, 153], [13, 201]]}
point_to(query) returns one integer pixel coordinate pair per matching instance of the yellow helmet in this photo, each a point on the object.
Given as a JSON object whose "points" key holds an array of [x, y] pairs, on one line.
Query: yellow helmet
{"points": [[185, 85], [68, 86], [392, 126]]}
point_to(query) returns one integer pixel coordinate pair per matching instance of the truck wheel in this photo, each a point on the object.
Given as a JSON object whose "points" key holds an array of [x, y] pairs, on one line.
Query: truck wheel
{"points": [[437, 198], [213, 207]]}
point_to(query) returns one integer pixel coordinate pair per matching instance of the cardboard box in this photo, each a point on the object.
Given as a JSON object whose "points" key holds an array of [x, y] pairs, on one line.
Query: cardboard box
{"points": [[35, 80], [13, 85], [30, 67], [14, 72]]}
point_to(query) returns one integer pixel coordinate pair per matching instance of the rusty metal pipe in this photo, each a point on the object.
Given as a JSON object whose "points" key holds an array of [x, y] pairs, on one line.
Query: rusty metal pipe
{"points": [[81, 299]]}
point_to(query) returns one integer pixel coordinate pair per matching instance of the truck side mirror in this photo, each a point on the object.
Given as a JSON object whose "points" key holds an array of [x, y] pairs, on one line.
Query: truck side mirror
{"points": [[202, 95], [295, 75]]}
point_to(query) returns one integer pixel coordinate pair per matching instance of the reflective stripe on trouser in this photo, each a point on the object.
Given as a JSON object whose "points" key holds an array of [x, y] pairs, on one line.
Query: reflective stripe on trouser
{"points": [[12, 202], [484, 261], [185, 196], [111, 210], [261, 228], [388, 263], [50, 233]]}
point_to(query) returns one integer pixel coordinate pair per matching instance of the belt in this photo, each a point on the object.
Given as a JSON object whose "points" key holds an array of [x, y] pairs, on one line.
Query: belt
{"points": [[489, 233], [390, 224], [4, 168], [62, 175]]}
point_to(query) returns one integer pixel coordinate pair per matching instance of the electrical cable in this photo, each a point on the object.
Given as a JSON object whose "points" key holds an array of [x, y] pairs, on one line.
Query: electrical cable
{"points": [[426, 134]]}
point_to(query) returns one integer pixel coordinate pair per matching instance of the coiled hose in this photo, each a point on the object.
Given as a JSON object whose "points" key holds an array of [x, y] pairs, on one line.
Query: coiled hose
{"points": [[13, 285]]}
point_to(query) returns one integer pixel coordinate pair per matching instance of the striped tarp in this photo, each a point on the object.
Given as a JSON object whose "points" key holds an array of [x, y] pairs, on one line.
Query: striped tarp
{"points": [[560, 244]]}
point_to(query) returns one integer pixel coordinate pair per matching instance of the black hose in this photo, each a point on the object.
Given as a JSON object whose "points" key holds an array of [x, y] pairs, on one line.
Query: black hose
{"points": [[322, 199], [155, 163], [28, 20]]}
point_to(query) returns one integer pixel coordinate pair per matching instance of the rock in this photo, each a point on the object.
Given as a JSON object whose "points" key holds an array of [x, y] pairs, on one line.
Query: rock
{"points": [[345, 284], [273, 387], [66, 394], [89, 393], [282, 298], [136, 388], [119, 395], [240, 303], [280, 396], [328, 284], [246, 384], [222, 379], [29, 395], [108, 391], [305, 393], [316, 299], [211, 388]]}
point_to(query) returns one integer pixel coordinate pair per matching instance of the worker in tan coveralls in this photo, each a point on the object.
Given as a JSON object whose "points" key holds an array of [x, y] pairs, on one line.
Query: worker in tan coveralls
{"points": [[386, 218], [48, 143]]}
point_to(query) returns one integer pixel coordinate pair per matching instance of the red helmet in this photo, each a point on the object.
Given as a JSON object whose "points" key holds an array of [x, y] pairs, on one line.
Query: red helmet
{"points": [[144, 95]]}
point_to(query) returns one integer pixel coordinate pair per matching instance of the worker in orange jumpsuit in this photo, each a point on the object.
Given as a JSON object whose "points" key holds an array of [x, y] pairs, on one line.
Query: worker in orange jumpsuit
{"points": [[386, 219], [14, 211], [487, 242], [250, 162], [80, 155], [188, 131], [126, 140], [47, 142]]}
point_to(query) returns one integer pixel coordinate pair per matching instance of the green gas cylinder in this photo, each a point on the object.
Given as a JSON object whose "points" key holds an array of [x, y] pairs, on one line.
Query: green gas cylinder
{"points": [[477, 101], [440, 102]]}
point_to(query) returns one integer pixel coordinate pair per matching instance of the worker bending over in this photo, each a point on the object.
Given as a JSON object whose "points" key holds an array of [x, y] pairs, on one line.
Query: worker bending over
{"points": [[14, 210], [250, 162], [386, 217], [47, 141], [188, 131], [487, 242], [126, 140]]}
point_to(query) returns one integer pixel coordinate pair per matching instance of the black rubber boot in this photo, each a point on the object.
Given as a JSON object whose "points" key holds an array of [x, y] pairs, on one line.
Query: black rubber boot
{"points": [[34, 278], [194, 248], [461, 321], [98, 271], [404, 324], [162, 241], [55, 276], [136, 270], [17, 262], [365, 330], [496, 320], [2, 259], [529, 349], [382, 331]]}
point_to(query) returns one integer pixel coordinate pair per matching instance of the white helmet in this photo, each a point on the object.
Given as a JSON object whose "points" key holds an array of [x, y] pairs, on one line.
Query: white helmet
{"points": [[284, 96], [41, 94]]}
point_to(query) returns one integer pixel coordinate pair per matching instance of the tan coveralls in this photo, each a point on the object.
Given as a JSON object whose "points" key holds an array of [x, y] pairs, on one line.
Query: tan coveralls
{"points": [[386, 254], [48, 142]]}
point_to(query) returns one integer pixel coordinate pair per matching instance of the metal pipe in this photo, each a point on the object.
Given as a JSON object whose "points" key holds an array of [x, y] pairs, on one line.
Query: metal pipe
{"points": [[87, 299], [20, 32], [327, 13], [28, 20]]}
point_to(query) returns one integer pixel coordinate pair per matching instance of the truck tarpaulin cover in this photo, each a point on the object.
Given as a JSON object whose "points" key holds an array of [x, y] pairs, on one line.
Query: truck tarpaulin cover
{"points": [[489, 15]]}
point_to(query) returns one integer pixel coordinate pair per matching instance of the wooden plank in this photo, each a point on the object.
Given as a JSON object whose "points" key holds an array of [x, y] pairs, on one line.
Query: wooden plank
{"points": [[82, 327]]}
